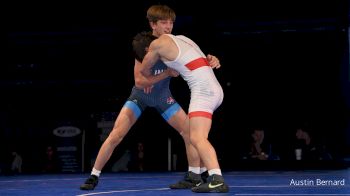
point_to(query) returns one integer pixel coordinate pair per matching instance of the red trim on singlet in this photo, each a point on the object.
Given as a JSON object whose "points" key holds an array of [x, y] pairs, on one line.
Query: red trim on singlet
{"points": [[197, 63], [200, 113]]}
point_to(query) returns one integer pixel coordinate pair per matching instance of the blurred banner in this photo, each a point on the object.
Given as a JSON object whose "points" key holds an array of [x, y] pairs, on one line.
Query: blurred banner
{"points": [[69, 148]]}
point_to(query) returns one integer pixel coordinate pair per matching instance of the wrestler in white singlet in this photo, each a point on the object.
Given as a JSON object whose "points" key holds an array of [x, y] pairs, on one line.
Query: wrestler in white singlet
{"points": [[191, 63]]}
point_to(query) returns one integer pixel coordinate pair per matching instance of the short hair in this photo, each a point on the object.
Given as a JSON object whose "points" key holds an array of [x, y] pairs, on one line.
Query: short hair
{"points": [[160, 12], [140, 44]]}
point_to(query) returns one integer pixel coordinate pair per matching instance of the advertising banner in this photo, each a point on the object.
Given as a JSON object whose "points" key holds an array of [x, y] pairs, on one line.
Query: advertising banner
{"points": [[69, 148]]}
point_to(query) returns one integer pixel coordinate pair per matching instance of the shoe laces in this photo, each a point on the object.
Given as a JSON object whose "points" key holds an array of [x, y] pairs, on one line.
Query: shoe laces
{"points": [[215, 178], [193, 177]]}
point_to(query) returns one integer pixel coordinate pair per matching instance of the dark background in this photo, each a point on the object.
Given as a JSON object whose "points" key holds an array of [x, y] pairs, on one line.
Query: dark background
{"points": [[284, 64]]}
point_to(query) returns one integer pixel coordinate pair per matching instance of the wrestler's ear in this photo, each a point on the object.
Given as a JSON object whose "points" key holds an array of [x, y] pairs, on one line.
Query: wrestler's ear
{"points": [[146, 49]]}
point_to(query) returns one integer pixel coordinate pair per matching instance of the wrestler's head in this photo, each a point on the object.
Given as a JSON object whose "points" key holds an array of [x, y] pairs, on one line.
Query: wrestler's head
{"points": [[141, 43], [161, 19]]}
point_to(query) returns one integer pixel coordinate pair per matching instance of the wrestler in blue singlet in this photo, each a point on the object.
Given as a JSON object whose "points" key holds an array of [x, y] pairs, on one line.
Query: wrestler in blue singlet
{"points": [[159, 98]]}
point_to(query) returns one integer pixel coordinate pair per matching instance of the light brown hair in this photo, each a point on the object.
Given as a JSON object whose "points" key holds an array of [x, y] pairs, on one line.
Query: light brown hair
{"points": [[160, 12]]}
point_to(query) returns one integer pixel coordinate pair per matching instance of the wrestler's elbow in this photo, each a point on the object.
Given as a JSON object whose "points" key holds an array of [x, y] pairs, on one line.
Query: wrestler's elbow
{"points": [[140, 83]]}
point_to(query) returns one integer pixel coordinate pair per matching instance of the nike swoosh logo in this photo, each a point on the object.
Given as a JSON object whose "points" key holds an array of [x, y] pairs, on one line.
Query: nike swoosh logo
{"points": [[198, 184], [214, 186]]}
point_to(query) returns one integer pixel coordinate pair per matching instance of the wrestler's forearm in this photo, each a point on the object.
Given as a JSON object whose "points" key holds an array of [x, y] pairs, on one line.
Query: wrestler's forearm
{"points": [[145, 77], [144, 81]]}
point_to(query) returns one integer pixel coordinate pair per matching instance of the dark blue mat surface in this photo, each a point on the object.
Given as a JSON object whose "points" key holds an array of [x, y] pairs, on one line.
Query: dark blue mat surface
{"points": [[325, 182]]}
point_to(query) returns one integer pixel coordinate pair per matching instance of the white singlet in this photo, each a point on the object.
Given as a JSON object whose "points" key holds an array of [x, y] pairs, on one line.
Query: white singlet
{"points": [[191, 63]]}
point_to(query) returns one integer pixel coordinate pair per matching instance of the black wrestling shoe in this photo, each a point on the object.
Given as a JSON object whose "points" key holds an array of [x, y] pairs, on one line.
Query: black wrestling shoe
{"points": [[215, 184], [90, 183], [190, 180], [205, 176]]}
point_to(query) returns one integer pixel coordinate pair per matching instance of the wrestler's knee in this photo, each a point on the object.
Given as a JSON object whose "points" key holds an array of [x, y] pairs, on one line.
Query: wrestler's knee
{"points": [[196, 139], [185, 136]]}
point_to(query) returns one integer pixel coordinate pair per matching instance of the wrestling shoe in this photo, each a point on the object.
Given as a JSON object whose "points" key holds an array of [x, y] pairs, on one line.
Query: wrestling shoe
{"points": [[90, 183], [215, 184], [204, 176], [190, 180]]}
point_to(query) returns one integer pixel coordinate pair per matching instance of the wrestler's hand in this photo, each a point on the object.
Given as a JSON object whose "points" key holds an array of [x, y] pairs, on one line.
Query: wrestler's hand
{"points": [[213, 61], [172, 72], [148, 89]]}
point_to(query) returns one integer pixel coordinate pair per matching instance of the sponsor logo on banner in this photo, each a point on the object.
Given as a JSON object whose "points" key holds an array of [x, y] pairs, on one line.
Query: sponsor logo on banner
{"points": [[66, 131]]}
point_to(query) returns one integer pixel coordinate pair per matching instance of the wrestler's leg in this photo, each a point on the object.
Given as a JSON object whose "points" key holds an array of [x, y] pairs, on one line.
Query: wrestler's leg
{"points": [[179, 121], [199, 130], [125, 120]]}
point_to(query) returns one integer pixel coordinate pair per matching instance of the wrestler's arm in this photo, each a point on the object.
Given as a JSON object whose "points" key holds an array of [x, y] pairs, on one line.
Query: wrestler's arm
{"points": [[142, 71], [139, 77]]}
